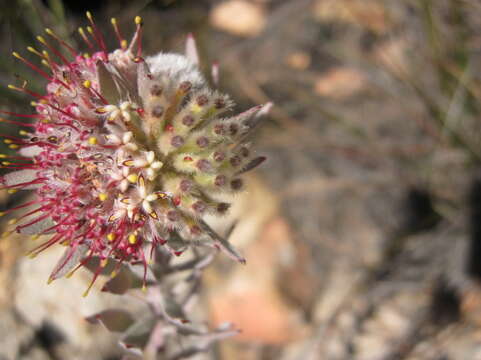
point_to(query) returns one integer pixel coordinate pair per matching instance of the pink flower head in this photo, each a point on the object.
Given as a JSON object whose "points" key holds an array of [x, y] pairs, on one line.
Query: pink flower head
{"points": [[126, 153]]}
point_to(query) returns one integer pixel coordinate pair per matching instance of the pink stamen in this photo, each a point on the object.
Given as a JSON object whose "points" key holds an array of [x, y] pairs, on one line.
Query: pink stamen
{"points": [[19, 123], [97, 34], [86, 40], [43, 217], [20, 206], [35, 68], [63, 43], [56, 52], [53, 240]]}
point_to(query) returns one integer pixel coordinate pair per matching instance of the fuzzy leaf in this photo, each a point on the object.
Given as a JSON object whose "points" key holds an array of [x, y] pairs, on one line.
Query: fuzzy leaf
{"points": [[223, 244], [138, 334], [143, 80], [20, 177], [94, 263], [30, 151], [113, 319], [121, 283], [266, 108], [35, 228], [191, 50], [71, 257], [138, 272], [245, 118], [108, 87], [251, 165]]}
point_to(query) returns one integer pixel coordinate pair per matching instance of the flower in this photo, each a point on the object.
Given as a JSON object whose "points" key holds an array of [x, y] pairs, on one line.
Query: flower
{"points": [[126, 154]]}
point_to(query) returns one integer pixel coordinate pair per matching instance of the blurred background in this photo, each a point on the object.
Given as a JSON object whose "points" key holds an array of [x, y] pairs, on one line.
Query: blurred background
{"points": [[362, 231]]}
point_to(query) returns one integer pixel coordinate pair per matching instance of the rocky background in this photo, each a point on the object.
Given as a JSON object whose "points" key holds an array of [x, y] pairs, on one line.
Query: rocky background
{"points": [[362, 231]]}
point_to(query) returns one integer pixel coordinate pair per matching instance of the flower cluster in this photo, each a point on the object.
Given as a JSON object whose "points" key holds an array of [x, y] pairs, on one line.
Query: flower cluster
{"points": [[126, 153]]}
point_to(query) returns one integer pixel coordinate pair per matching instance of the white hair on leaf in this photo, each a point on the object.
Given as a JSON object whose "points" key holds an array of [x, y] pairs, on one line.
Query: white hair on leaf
{"points": [[176, 67]]}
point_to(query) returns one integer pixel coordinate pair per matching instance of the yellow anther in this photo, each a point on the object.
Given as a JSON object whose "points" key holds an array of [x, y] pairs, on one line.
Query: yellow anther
{"points": [[41, 40], [33, 103], [3, 156], [12, 87], [111, 237], [43, 101], [87, 84], [104, 262], [89, 15], [113, 274], [6, 163], [50, 32], [81, 31], [132, 178], [161, 195], [141, 181], [6, 234], [34, 237], [2, 213], [138, 20], [33, 50], [70, 274], [86, 55], [113, 21], [45, 62], [196, 108], [132, 239], [7, 141], [12, 221], [17, 55], [24, 133], [13, 146], [101, 110], [90, 30], [124, 44], [50, 280], [93, 140], [12, 191], [103, 196]]}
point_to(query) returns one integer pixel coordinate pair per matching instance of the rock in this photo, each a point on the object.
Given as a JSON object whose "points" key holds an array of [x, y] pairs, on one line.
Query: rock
{"points": [[239, 17], [298, 60], [251, 298], [370, 14], [61, 304], [339, 83]]}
